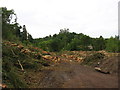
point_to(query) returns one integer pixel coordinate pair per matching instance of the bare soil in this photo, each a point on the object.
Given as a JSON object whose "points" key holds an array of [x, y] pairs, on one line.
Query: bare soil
{"points": [[72, 75]]}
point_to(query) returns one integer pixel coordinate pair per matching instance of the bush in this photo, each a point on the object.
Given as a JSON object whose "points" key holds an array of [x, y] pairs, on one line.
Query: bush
{"points": [[12, 80], [93, 58], [11, 68]]}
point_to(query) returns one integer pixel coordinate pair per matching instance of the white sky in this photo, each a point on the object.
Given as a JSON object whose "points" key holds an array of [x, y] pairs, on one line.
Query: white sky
{"points": [[47, 17]]}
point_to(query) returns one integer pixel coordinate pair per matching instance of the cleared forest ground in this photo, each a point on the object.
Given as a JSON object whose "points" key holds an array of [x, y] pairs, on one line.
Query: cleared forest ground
{"points": [[68, 69], [66, 75], [73, 75]]}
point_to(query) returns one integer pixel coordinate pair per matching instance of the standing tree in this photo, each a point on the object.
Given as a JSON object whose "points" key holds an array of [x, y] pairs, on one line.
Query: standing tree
{"points": [[10, 27], [112, 45], [17, 28], [99, 43], [30, 39], [55, 45], [24, 33]]}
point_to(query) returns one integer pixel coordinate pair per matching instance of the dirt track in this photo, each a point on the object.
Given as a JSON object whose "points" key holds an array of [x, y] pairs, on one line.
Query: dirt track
{"points": [[75, 75], [68, 75]]}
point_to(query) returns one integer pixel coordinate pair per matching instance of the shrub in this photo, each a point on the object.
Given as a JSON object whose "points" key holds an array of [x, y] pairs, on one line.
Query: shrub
{"points": [[93, 58]]}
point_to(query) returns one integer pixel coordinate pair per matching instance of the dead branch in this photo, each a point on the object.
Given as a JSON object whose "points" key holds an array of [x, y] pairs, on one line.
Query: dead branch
{"points": [[18, 61], [13, 52], [21, 65]]}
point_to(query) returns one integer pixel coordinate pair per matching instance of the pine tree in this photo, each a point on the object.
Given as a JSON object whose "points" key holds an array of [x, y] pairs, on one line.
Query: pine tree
{"points": [[30, 39], [24, 33]]}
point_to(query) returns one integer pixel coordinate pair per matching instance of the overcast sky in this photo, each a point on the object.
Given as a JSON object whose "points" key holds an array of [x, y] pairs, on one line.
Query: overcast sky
{"points": [[47, 17]]}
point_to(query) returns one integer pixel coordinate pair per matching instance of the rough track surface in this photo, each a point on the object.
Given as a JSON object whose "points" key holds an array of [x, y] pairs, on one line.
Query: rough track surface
{"points": [[66, 75]]}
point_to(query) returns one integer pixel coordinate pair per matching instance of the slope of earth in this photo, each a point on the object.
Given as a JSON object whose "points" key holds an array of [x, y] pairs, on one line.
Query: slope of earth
{"points": [[27, 66], [106, 61], [110, 65], [66, 72], [17, 61]]}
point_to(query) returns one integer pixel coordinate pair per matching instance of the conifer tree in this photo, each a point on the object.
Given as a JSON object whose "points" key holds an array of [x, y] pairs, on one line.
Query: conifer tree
{"points": [[24, 33]]}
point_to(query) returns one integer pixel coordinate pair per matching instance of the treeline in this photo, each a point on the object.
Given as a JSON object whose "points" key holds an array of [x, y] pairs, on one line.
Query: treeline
{"points": [[65, 40], [72, 41], [11, 29]]}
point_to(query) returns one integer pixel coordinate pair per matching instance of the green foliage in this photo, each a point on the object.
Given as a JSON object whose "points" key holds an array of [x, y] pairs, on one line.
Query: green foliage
{"points": [[11, 30], [65, 40], [8, 69], [11, 68], [30, 39], [44, 44], [24, 33], [12, 80], [98, 43], [64, 31], [93, 58], [73, 45], [55, 45], [7, 15], [113, 45]]}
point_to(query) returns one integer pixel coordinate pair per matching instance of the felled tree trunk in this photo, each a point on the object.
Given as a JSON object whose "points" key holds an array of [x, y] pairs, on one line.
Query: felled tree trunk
{"points": [[21, 65]]}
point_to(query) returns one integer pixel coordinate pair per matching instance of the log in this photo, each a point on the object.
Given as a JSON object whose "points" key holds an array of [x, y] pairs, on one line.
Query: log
{"points": [[13, 52], [21, 65], [18, 61], [3, 85], [101, 71]]}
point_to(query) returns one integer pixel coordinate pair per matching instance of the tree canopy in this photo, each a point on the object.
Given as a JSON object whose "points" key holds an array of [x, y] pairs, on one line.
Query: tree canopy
{"points": [[65, 40]]}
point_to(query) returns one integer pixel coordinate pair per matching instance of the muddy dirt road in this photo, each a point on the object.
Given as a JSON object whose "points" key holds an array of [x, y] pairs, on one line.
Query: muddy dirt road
{"points": [[72, 75]]}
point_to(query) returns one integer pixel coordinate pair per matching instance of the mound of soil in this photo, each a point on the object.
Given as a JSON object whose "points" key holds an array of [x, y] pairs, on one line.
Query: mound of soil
{"points": [[110, 64]]}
